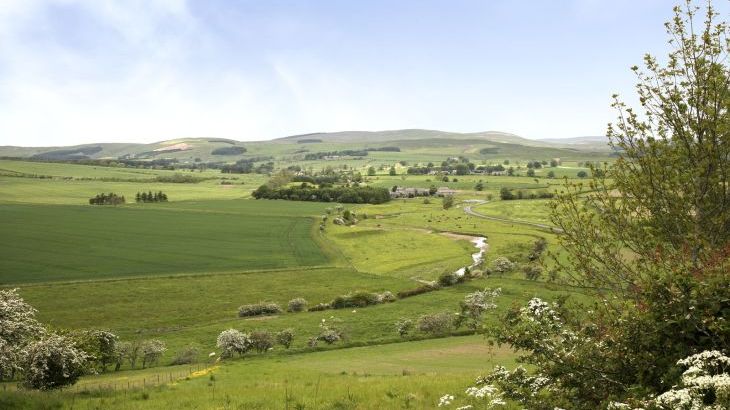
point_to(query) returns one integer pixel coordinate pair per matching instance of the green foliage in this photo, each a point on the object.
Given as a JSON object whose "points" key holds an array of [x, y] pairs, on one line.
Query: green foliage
{"points": [[236, 150], [447, 202], [436, 323], [353, 195], [259, 309]]}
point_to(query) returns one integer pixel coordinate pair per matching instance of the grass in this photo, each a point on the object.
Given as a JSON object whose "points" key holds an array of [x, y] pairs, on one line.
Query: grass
{"points": [[530, 210], [49, 242], [394, 376]]}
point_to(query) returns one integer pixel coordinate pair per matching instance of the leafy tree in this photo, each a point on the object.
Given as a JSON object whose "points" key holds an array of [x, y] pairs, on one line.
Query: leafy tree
{"points": [[371, 171], [447, 202], [506, 194], [553, 163], [262, 340], [650, 237], [479, 186], [530, 172], [551, 174], [582, 174], [511, 171], [392, 171], [152, 350]]}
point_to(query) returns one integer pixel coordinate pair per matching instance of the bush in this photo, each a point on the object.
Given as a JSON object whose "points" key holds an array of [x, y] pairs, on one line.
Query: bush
{"points": [[262, 340], [53, 362], [330, 336], [258, 309], [356, 299], [403, 327], [436, 323], [417, 291], [450, 279], [502, 265], [386, 297], [320, 307], [297, 305], [187, 355], [285, 337], [532, 272], [233, 341], [152, 350]]}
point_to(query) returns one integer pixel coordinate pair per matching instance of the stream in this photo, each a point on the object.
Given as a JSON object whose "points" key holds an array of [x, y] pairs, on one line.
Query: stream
{"points": [[480, 243]]}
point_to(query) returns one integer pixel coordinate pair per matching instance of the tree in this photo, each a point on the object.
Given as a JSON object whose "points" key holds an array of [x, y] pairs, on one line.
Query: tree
{"points": [[152, 350], [553, 163], [232, 342], [447, 202], [530, 172], [285, 337], [479, 186], [650, 237], [18, 328], [262, 340], [510, 171], [551, 174], [52, 362], [404, 327], [371, 171], [582, 174], [99, 345], [506, 194], [392, 171], [474, 305]]}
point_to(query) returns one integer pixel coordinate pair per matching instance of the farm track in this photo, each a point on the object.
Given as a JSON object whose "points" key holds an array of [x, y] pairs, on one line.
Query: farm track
{"points": [[469, 211]]}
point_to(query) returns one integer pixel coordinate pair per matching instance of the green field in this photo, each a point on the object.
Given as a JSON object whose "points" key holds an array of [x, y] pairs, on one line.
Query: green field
{"points": [[178, 271], [49, 242]]}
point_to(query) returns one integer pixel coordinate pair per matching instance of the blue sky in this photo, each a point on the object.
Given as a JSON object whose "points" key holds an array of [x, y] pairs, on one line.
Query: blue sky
{"points": [[142, 71]]}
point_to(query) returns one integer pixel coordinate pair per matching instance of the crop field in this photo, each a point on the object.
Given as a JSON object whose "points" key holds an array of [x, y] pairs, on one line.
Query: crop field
{"points": [[49, 242]]}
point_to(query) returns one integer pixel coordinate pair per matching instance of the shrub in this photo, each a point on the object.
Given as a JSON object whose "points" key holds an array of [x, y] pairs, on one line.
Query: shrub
{"points": [[258, 309], [262, 340], [417, 291], [436, 323], [450, 279], [233, 341], [53, 362], [532, 272], [330, 336], [319, 307], [356, 299], [237, 150], [297, 305], [187, 355], [386, 297], [403, 327], [285, 337], [502, 265]]}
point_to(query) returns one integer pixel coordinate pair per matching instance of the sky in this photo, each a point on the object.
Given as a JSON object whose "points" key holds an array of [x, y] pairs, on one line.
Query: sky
{"points": [[77, 71]]}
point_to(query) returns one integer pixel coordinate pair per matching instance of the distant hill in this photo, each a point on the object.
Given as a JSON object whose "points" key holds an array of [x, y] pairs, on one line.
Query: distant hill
{"points": [[432, 142]]}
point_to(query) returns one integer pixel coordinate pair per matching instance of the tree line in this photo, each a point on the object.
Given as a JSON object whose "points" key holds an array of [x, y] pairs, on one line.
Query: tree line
{"points": [[150, 197], [107, 199], [353, 195]]}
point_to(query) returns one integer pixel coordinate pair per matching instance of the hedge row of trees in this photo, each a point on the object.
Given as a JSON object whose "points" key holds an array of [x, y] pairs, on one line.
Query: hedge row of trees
{"points": [[151, 197], [107, 199], [507, 194], [352, 195]]}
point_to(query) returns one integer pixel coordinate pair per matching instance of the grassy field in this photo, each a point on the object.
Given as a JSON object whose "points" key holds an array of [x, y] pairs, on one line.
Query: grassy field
{"points": [[393, 376], [48, 242], [178, 271]]}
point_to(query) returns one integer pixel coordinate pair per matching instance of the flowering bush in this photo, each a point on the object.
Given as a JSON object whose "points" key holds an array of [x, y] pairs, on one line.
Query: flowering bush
{"points": [[319, 307], [52, 362], [502, 265], [297, 305], [18, 327], [403, 327], [474, 305], [233, 341], [285, 337], [152, 350], [436, 323]]}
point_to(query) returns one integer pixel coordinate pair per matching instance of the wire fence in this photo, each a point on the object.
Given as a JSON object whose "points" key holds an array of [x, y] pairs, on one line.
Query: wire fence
{"points": [[122, 384]]}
